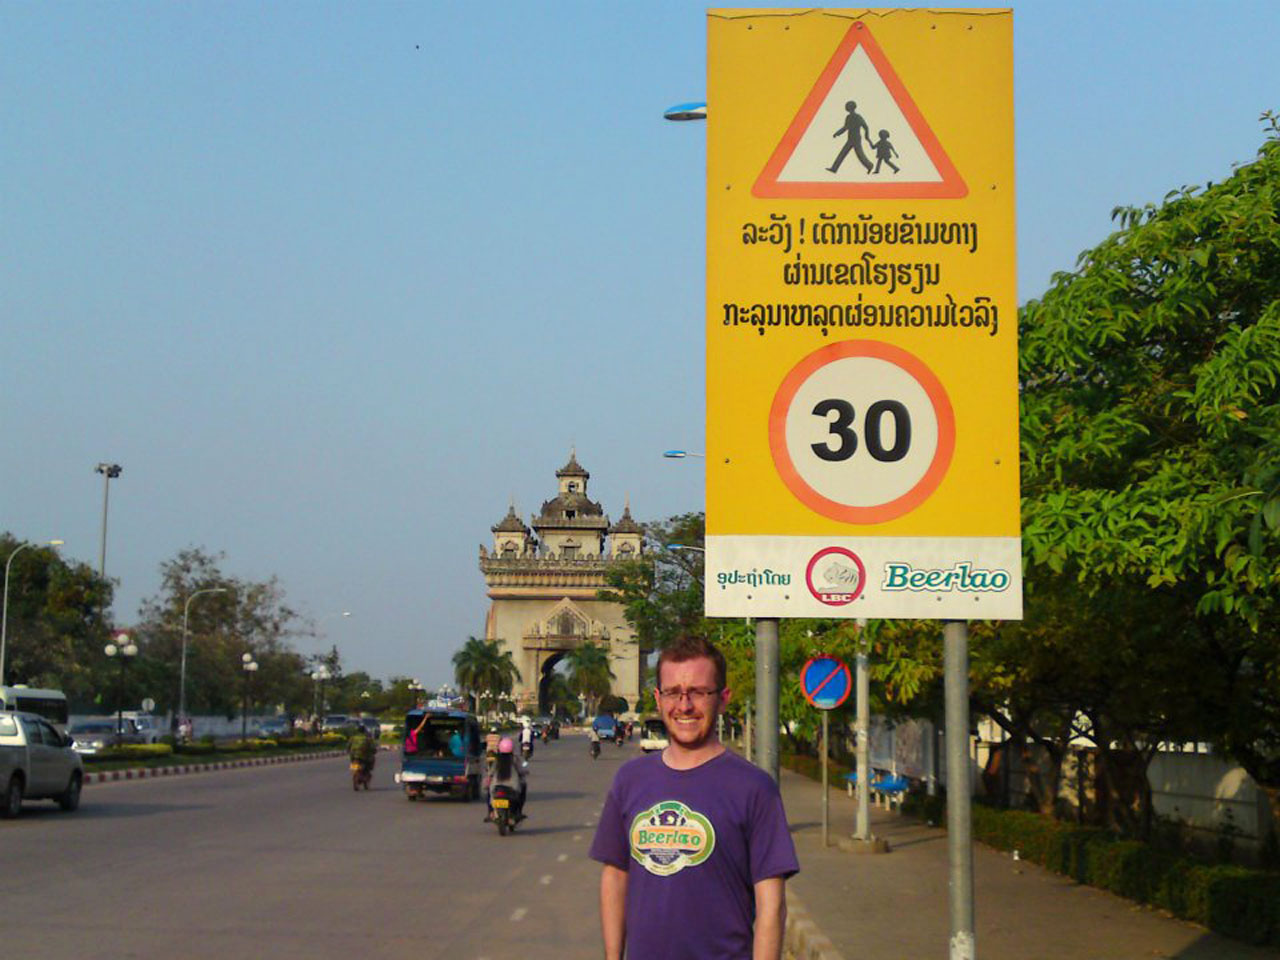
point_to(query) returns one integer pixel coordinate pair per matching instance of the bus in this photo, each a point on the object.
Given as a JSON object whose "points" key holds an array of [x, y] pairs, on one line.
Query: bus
{"points": [[50, 704]]}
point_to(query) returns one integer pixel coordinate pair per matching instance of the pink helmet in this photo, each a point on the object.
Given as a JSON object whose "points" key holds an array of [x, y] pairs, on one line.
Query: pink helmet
{"points": [[506, 746]]}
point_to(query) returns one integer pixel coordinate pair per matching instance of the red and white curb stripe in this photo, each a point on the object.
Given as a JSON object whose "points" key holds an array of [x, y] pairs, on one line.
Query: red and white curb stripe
{"points": [[144, 773]]}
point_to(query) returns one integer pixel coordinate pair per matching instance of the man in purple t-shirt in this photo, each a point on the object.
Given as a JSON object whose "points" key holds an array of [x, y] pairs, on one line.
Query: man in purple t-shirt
{"points": [[694, 840]]}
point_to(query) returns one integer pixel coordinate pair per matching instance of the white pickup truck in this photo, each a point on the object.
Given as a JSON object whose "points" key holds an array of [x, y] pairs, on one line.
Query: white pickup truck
{"points": [[36, 763]]}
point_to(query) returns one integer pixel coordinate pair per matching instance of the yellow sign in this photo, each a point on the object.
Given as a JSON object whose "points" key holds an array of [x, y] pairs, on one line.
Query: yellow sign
{"points": [[862, 418]]}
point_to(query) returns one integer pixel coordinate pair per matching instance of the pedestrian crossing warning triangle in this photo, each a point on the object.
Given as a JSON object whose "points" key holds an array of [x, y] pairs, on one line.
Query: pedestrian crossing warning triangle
{"points": [[859, 135]]}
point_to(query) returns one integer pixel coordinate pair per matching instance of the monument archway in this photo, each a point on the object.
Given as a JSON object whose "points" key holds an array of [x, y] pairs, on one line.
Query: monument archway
{"points": [[544, 582]]}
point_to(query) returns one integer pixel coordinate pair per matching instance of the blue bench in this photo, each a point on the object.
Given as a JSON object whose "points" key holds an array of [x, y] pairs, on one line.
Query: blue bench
{"points": [[887, 790]]}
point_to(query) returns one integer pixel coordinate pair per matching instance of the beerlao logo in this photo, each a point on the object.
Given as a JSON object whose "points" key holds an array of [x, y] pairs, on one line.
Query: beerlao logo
{"points": [[835, 576], [669, 836]]}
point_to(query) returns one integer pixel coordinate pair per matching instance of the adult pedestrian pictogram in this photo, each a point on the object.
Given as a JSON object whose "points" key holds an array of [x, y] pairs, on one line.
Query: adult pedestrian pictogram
{"points": [[859, 97]]}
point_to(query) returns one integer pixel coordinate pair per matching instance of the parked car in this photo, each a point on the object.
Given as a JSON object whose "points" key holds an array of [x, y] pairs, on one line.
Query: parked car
{"points": [[274, 727], [653, 736], [144, 725], [36, 763], [337, 723], [88, 737]]}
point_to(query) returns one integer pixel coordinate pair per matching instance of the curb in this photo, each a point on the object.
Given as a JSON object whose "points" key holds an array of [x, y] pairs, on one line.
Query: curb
{"points": [[146, 773], [803, 939]]}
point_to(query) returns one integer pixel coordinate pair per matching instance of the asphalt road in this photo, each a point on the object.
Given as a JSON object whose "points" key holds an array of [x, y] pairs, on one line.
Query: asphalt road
{"points": [[287, 861]]}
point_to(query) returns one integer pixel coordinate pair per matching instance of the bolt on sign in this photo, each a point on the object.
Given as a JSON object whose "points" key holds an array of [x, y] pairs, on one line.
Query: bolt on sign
{"points": [[862, 408]]}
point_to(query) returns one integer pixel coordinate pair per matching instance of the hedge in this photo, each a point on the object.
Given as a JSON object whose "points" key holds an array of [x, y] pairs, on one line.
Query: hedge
{"points": [[132, 751], [1236, 902]]}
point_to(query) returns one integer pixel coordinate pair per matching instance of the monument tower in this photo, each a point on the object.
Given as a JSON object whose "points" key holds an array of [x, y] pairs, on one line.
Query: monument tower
{"points": [[542, 583]]}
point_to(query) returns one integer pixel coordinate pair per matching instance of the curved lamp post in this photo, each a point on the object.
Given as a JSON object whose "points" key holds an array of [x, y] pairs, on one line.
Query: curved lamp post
{"points": [[126, 650], [182, 670], [4, 618], [250, 667]]}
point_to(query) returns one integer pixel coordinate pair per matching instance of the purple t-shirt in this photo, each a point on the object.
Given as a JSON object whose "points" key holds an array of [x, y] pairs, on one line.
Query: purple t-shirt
{"points": [[694, 843]]}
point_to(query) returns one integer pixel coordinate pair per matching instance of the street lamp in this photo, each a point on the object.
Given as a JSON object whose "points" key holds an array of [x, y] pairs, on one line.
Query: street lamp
{"points": [[4, 618], [126, 650], [318, 676], [182, 670], [109, 472], [696, 110], [250, 666]]}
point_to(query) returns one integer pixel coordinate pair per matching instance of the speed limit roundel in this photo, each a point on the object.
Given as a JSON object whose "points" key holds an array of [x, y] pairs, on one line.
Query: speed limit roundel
{"points": [[861, 431]]}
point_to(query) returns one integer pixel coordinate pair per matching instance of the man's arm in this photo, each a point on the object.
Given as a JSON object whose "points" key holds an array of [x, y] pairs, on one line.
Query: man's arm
{"points": [[613, 910], [771, 919]]}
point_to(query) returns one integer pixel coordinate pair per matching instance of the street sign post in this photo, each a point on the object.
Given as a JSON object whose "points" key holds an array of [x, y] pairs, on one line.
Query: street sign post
{"points": [[862, 422], [825, 683], [862, 408]]}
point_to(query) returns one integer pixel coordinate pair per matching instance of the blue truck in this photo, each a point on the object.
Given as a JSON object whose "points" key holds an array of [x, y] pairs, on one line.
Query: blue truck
{"points": [[441, 752]]}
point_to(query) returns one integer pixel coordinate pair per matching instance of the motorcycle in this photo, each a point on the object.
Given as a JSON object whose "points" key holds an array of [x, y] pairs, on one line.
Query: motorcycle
{"points": [[595, 749], [506, 808], [361, 774], [526, 750]]}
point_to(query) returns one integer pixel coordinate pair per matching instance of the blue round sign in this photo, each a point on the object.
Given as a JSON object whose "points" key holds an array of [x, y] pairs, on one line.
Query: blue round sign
{"points": [[826, 682]]}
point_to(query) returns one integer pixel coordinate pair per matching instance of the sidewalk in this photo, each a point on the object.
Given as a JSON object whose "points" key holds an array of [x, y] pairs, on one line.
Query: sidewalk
{"points": [[894, 906]]}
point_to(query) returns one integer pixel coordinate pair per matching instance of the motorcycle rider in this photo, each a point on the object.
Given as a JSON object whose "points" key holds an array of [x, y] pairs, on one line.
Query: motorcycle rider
{"points": [[361, 749], [593, 735], [509, 768], [526, 737]]}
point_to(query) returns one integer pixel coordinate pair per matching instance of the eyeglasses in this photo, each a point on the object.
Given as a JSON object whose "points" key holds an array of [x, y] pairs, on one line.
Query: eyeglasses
{"points": [[695, 695]]}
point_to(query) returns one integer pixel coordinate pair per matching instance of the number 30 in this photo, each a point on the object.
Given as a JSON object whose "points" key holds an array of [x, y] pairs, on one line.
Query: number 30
{"points": [[841, 428]]}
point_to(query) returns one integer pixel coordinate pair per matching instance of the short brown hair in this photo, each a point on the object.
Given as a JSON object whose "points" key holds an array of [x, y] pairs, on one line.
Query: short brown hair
{"points": [[691, 648]]}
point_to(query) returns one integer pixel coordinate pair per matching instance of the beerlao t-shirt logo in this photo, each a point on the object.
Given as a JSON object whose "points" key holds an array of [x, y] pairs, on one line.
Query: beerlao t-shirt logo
{"points": [[669, 836]]}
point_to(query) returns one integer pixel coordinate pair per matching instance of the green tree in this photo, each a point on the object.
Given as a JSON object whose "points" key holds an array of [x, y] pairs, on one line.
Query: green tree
{"points": [[484, 671], [589, 674], [661, 591], [1150, 425], [247, 617], [55, 635]]}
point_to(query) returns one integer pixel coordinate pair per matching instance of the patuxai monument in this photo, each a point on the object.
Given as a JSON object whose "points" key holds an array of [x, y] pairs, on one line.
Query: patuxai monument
{"points": [[542, 581]]}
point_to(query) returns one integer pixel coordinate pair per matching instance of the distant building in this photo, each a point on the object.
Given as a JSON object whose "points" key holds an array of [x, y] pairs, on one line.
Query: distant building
{"points": [[542, 584]]}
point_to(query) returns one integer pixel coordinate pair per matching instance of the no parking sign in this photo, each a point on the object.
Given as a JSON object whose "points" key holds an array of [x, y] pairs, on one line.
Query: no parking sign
{"points": [[825, 682]]}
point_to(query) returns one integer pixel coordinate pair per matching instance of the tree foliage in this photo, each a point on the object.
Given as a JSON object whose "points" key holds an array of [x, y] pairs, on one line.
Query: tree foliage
{"points": [[55, 633], [589, 674], [247, 617], [484, 671]]}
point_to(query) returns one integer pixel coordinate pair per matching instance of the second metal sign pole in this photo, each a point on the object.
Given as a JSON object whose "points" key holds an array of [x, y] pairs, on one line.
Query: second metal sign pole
{"points": [[955, 635], [826, 788]]}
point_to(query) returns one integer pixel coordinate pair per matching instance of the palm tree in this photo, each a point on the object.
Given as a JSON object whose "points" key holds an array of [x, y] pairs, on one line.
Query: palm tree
{"points": [[484, 671], [589, 673]]}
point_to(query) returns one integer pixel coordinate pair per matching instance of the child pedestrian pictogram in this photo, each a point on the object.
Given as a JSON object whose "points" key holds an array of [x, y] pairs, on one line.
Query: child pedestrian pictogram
{"points": [[857, 92]]}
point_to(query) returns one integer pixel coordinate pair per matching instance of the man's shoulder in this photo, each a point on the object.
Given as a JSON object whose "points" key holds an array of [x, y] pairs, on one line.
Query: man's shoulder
{"points": [[743, 771]]}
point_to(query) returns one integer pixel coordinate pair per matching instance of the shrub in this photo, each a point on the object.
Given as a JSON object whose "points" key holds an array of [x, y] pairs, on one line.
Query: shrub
{"points": [[1233, 901]]}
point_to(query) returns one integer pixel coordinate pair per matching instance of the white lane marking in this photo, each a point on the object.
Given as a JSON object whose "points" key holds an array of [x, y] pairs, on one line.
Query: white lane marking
{"points": [[562, 858], [545, 879], [518, 914]]}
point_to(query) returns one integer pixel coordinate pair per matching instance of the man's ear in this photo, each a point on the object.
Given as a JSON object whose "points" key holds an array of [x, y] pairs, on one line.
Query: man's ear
{"points": [[725, 696]]}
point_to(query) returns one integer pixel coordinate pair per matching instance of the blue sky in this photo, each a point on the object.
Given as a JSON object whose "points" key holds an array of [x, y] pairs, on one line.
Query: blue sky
{"points": [[333, 282]]}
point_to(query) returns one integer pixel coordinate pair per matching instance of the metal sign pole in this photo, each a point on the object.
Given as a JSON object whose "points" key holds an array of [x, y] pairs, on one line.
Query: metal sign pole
{"points": [[826, 786], [862, 729], [959, 806], [767, 695]]}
